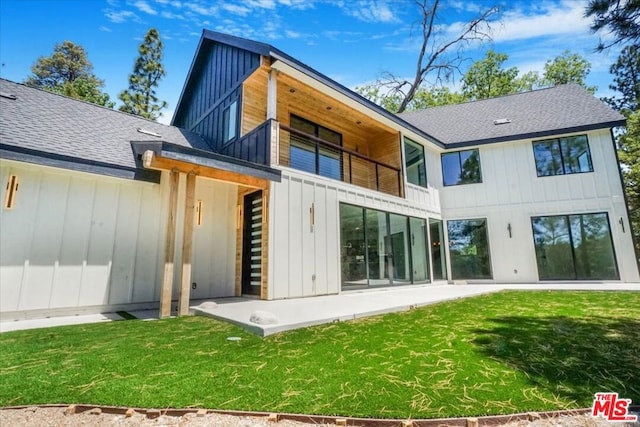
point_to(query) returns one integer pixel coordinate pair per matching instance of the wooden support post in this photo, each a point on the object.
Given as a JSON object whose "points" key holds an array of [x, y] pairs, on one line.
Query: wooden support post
{"points": [[187, 245], [169, 246]]}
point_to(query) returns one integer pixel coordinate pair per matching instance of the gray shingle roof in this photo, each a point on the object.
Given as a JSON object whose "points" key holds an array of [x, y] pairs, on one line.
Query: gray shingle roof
{"points": [[40, 121], [566, 108]]}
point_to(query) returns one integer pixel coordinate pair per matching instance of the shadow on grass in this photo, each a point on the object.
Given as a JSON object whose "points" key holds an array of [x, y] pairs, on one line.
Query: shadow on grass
{"points": [[571, 357]]}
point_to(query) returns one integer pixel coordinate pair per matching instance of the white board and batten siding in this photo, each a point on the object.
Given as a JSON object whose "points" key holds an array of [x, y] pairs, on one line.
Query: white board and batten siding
{"points": [[214, 240], [512, 193], [76, 240], [79, 242], [304, 252]]}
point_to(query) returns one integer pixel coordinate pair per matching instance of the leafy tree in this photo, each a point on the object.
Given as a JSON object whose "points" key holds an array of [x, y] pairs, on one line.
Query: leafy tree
{"points": [[140, 98], [438, 56], [621, 18], [69, 72], [629, 153], [626, 72], [423, 98], [567, 68], [86, 90], [487, 79]]}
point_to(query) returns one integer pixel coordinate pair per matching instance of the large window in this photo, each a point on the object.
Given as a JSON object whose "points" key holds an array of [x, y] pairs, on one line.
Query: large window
{"points": [[414, 163], [562, 156], [469, 249], [312, 156], [574, 247], [382, 249], [461, 167]]}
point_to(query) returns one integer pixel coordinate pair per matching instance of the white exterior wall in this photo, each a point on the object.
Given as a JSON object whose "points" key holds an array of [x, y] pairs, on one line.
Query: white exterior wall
{"points": [[214, 241], [300, 251], [512, 193], [75, 240], [79, 242]]}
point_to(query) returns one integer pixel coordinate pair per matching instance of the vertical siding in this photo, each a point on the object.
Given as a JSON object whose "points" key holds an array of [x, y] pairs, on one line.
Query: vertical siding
{"points": [[76, 239], [298, 251], [214, 84], [511, 193], [214, 241]]}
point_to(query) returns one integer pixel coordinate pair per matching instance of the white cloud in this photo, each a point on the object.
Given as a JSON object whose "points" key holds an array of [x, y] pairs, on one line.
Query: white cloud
{"points": [[562, 18], [143, 6], [369, 10], [201, 10], [121, 16], [171, 15], [105, 29], [236, 9]]}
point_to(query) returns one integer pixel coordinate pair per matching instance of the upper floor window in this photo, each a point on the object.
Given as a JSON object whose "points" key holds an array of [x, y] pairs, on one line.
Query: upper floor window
{"points": [[562, 156], [414, 163], [311, 154], [230, 122], [461, 167]]}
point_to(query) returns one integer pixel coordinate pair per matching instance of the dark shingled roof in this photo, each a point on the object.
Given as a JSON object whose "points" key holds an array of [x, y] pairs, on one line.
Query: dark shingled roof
{"points": [[539, 113], [44, 122], [45, 128]]}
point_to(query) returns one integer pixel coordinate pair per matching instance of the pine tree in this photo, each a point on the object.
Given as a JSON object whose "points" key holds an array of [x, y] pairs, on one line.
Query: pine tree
{"points": [[140, 98], [69, 72]]}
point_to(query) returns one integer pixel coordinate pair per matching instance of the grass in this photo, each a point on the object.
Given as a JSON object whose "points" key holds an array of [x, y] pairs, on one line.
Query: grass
{"points": [[500, 353]]}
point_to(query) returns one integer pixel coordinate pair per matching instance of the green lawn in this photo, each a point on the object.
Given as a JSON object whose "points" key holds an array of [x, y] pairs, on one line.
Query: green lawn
{"points": [[500, 353]]}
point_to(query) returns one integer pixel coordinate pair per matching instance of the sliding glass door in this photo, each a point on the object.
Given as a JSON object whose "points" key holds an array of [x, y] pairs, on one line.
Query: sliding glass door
{"points": [[382, 249], [574, 247]]}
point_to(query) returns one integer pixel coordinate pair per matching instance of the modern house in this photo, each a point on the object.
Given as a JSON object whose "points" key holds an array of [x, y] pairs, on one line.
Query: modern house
{"points": [[275, 181]]}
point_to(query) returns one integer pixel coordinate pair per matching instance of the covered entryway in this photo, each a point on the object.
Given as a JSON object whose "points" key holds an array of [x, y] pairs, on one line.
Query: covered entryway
{"points": [[217, 216]]}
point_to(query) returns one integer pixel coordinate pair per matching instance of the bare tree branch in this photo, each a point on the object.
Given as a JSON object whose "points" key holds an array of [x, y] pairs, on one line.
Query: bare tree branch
{"points": [[435, 62]]}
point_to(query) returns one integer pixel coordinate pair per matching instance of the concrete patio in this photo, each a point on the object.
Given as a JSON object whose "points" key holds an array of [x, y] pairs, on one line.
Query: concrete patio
{"points": [[303, 312], [297, 313]]}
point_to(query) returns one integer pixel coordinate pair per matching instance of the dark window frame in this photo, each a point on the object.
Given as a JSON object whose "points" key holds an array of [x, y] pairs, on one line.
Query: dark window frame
{"points": [[420, 147], [454, 275], [229, 133], [571, 246], [393, 281], [563, 167], [459, 154], [317, 128]]}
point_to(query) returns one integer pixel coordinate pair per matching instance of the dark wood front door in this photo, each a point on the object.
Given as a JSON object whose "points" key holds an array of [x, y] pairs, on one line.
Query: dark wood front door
{"points": [[252, 244]]}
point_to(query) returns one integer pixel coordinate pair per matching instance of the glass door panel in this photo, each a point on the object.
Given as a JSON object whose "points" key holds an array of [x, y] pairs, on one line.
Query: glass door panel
{"points": [[399, 254], [438, 258], [552, 239], [593, 248], [378, 248], [353, 247], [419, 255]]}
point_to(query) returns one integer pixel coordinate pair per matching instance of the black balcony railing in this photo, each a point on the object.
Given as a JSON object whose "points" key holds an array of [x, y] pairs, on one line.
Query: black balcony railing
{"points": [[312, 154]]}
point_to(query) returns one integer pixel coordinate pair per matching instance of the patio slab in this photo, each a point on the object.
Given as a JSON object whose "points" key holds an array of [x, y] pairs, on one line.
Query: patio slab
{"points": [[303, 312]]}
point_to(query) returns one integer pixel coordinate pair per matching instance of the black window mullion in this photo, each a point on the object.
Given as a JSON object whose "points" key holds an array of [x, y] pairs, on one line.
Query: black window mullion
{"points": [[573, 251], [459, 167]]}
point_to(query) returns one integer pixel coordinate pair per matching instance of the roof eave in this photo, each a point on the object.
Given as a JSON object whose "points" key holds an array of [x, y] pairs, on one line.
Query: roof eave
{"points": [[301, 67], [538, 134]]}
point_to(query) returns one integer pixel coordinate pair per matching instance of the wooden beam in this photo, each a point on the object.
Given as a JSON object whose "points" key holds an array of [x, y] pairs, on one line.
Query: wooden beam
{"points": [[152, 161], [169, 247], [187, 246]]}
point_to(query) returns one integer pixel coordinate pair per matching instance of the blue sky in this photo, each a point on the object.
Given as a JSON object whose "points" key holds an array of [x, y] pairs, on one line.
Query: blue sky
{"points": [[351, 41]]}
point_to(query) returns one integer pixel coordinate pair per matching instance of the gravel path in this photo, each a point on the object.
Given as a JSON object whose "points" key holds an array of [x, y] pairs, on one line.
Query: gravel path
{"points": [[56, 417]]}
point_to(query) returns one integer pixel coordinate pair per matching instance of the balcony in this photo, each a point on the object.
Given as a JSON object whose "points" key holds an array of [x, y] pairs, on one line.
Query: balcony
{"points": [[317, 132], [309, 153]]}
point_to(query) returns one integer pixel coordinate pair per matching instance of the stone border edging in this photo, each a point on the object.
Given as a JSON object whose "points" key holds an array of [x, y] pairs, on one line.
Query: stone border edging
{"points": [[490, 420]]}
